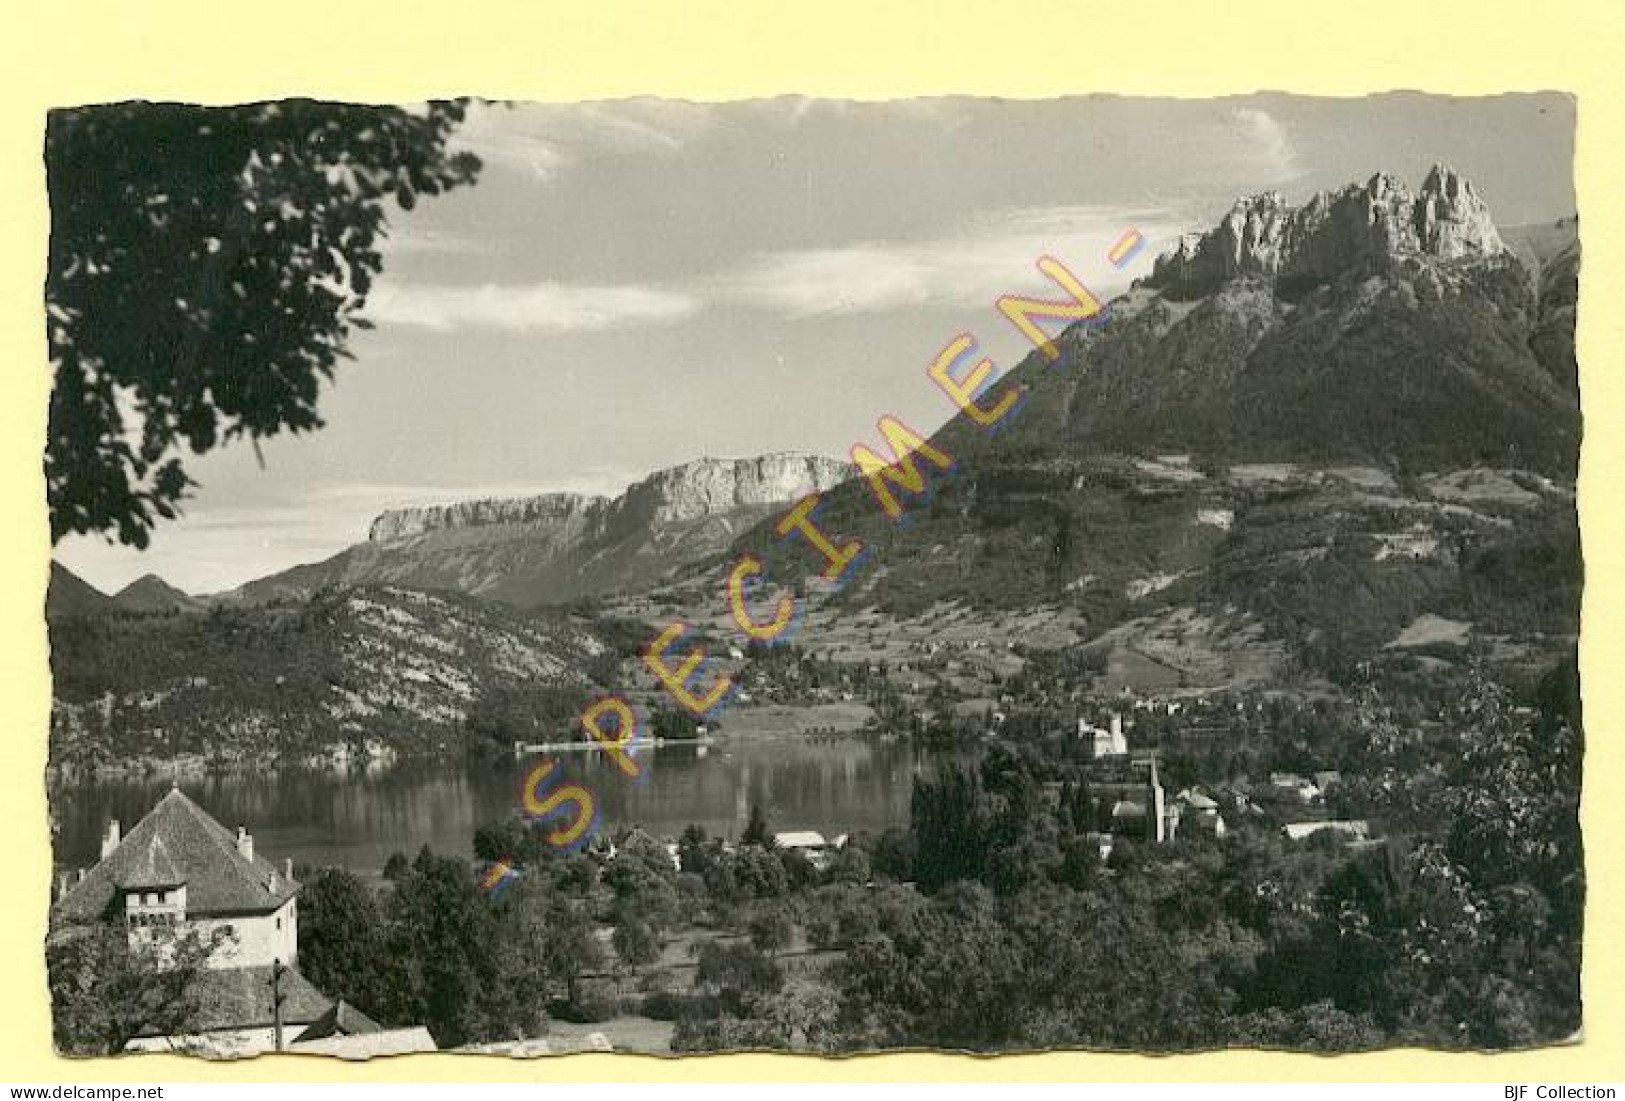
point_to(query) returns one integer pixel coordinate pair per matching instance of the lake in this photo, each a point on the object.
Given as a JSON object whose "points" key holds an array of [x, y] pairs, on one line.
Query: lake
{"points": [[834, 784]]}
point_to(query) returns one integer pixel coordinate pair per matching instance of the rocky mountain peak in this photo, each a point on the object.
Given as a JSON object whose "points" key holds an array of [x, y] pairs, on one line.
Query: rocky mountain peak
{"points": [[1362, 229], [547, 508], [1452, 221], [710, 486]]}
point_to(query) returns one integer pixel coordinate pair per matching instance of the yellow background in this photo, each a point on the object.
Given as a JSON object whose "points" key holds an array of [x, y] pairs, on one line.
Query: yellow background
{"points": [[61, 53]]}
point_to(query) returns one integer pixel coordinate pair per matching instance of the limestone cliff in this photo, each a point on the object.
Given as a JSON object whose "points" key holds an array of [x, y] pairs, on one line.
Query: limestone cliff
{"points": [[548, 508], [556, 547], [693, 491], [1364, 229]]}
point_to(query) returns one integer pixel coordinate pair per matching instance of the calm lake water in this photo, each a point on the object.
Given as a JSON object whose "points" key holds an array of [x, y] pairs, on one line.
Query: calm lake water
{"points": [[833, 784]]}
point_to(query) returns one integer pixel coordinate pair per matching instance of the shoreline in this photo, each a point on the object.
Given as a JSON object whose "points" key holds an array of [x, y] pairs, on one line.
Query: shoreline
{"points": [[196, 767]]}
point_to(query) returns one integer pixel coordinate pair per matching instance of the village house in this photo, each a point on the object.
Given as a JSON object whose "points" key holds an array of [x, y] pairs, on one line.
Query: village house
{"points": [[1106, 741], [1354, 830], [1200, 811], [347, 1032], [1138, 806], [1290, 783], [810, 843], [1128, 819]]}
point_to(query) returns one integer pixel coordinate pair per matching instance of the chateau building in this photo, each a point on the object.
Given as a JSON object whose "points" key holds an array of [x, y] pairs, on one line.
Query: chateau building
{"points": [[180, 870]]}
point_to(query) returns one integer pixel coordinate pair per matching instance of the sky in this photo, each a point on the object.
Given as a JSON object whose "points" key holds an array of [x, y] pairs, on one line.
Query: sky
{"points": [[638, 283]]}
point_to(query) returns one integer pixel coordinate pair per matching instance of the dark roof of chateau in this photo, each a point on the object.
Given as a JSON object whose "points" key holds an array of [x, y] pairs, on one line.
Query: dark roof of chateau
{"points": [[150, 866], [240, 997], [341, 1019], [176, 843]]}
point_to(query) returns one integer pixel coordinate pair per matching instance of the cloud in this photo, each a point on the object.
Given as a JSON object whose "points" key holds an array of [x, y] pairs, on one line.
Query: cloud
{"points": [[531, 307], [988, 256], [943, 113], [1266, 139], [838, 280], [498, 137], [634, 125], [545, 139]]}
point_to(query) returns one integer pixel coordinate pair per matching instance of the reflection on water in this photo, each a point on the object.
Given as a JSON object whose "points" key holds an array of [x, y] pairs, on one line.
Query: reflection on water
{"points": [[833, 784]]}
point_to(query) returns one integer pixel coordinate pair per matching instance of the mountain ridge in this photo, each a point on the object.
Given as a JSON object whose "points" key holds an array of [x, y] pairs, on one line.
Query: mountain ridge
{"points": [[68, 594], [1369, 325], [554, 548], [1265, 483], [366, 669]]}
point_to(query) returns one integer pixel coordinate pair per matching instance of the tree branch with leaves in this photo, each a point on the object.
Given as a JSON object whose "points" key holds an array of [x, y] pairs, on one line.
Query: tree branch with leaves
{"points": [[207, 266]]}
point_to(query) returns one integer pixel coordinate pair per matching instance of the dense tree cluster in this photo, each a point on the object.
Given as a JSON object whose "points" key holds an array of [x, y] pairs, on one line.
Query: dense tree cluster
{"points": [[107, 989], [1460, 929], [434, 949]]}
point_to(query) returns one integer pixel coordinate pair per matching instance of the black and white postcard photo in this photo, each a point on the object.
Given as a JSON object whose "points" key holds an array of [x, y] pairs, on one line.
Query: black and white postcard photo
{"points": [[797, 574]]}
